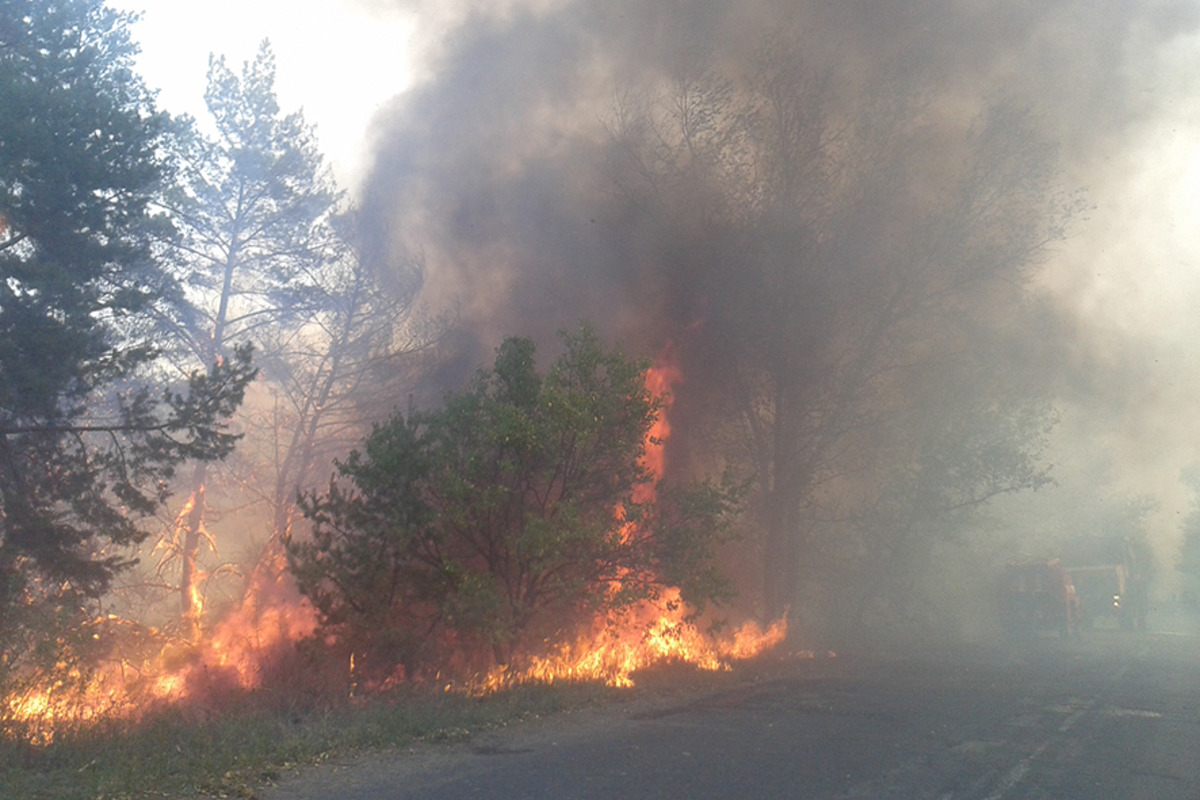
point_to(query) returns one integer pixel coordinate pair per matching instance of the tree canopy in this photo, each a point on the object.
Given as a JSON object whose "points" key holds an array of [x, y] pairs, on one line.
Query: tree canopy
{"points": [[252, 205], [846, 272], [514, 508], [87, 445]]}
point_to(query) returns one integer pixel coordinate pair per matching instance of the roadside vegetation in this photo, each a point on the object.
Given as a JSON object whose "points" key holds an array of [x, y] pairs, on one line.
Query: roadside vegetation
{"points": [[182, 752], [522, 509], [234, 441]]}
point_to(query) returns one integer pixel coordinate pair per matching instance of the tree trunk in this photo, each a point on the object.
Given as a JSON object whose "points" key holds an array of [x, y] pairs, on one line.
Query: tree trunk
{"points": [[781, 559], [781, 551], [191, 523]]}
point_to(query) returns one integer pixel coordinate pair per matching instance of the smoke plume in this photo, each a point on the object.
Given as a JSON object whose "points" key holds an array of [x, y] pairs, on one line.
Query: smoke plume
{"points": [[498, 163], [508, 166]]}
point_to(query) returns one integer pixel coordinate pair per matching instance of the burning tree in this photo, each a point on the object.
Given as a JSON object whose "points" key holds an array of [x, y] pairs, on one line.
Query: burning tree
{"points": [[87, 444], [818, 230], [253, 205], [269, 254], [517, 509], [852, 257]]}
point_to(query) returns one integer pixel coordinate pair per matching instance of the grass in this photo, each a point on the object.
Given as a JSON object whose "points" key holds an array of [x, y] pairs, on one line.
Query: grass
{"points": [[179, 753], [193, 752]]}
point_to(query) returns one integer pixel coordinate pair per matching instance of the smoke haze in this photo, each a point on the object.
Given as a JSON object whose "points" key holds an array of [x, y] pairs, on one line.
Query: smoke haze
{"points": [[504, 166]]}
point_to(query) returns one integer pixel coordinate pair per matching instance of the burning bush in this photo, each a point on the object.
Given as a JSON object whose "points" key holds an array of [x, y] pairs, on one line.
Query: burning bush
{"points": [[519, 510]]}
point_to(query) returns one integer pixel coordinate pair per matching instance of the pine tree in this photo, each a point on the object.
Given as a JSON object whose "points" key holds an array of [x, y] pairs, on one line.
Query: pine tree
{"points": [[87, 447], [253, 204]]}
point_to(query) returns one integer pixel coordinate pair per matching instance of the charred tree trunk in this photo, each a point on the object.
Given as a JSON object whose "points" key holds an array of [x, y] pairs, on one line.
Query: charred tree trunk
{"points": [[191, 602]]}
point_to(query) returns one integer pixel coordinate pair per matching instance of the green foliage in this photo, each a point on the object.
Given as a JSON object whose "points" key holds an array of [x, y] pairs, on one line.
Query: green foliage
{"points": [[687, 524], [499, 515], [86, 448], [78, 168]]}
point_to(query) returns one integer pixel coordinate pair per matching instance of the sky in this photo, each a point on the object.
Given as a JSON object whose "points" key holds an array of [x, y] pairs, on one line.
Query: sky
{"points": [[1118, 84], [338, 60]]}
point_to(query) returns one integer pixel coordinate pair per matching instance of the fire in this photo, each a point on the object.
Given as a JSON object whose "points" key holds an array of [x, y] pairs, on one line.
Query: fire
{"points": [[69, 698], [234, 656], [661, 379], [657, 632], [237, 652], [661, 636], [271, 617]]}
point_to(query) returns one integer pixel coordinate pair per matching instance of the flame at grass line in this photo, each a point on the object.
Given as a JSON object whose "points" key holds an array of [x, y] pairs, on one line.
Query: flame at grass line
{"points": [[35, 711], [233, 657], [657, 632], [662, 637], [272, 617]]}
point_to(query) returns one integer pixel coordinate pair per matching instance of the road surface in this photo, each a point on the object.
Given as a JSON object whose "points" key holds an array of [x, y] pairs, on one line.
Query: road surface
{"points": [[1116, 715]]}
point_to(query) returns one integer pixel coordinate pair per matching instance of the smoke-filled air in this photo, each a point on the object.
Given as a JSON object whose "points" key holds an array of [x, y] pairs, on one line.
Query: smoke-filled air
{"points": [[653, 332], [926, 267]]}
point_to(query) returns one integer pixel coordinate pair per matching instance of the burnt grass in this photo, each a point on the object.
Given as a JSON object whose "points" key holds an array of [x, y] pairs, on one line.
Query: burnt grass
{"points": [[198, 752]]}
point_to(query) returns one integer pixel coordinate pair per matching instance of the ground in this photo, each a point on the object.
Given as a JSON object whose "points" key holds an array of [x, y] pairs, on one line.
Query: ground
{"points": [[1116, 715]]}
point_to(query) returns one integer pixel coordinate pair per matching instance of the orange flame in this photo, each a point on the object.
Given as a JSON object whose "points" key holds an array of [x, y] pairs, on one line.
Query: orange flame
{"points": [[272, 617], [657, 632], [661, 636], [36, 712], [661, 379]]}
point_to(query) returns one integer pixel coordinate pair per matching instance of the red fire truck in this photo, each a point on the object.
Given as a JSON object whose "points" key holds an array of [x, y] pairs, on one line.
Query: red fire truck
{"points": [[1037, 596]]}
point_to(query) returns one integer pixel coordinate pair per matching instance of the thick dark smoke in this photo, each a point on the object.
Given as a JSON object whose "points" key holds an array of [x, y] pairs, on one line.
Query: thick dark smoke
{"points": [[498, 164], [505, 167]]}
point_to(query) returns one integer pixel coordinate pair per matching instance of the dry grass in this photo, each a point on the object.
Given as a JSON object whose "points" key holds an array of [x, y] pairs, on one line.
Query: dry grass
{"points": [[187, 753]]}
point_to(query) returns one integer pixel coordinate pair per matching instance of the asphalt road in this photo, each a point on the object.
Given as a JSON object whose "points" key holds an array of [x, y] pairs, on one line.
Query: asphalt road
{"points": [[1114, 716]]}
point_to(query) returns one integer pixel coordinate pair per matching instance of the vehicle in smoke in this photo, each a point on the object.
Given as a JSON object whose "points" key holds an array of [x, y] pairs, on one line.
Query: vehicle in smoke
{"points": [[1102, 592], [1037, 596], [1110, 580]]}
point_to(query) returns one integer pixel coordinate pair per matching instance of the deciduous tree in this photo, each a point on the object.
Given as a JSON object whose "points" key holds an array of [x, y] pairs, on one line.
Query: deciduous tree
{"points": [[509, 511], [829, 233]]}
